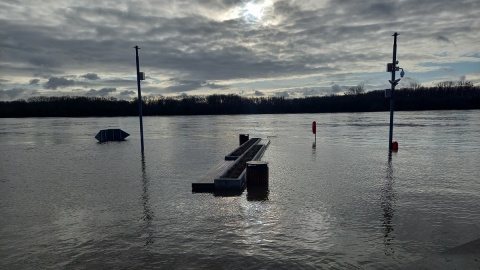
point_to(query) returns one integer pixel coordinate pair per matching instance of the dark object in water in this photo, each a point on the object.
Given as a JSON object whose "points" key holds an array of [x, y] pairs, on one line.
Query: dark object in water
{"points": [[230, 175], [114, 134]]}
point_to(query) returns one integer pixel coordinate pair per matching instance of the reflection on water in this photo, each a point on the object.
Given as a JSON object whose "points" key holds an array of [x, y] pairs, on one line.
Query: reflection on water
{"points": [[147, 212], [257, 193], [388, 201]]}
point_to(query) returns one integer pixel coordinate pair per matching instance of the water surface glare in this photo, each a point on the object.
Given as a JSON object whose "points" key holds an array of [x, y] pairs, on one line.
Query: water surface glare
{"points": [[68, 202]]}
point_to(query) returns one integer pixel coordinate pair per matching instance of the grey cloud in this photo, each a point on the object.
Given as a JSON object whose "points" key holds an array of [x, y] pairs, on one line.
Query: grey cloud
{"points": [[120, 83], [189, 85], [17, 93], [102, 92], [447, 69], [474, 55], [282, 94], [183, 85], [258, 93], [336, 88], [215, 86], [307, 91], [127, 93], [443, 54], [56, 82], [90, 76], [443, 39], [196, 35], [310, 92], [41, 61], [11, 94], [34, 81], [42, 75]]}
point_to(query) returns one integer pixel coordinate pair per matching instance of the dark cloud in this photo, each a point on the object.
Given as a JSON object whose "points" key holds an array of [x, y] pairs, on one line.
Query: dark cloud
{"points": [[11, 94], [127, 93], [282, 94], [102, 92], [58, 82], [17, 93], [42, 61], [306, 91], [336, 88], [443, 39], [42, 75], [90, 76], [474, 55], [447, 69], [442, 54], [258, 93], [180, 85], [311, 92], [215, 86], [120, 83], [34, 81], [183, 85]]}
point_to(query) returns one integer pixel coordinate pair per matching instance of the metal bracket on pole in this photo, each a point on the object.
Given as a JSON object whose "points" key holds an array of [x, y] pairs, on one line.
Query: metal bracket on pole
{"points": [[394, 82]]}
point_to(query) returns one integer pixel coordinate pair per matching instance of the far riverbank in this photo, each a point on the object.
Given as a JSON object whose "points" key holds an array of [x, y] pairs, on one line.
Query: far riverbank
{"points": [[409, 99]]}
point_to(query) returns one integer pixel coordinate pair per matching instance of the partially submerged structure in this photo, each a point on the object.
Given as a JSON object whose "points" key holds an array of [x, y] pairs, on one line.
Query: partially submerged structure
{"points": [[114, 134], [230, 175]]}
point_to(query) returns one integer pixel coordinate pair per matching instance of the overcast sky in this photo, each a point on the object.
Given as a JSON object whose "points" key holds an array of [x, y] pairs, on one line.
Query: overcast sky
{"points": [[250, 48]]}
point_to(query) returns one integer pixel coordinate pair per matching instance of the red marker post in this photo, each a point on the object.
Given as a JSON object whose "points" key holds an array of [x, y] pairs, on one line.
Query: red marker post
{"points": [[314, 130]]}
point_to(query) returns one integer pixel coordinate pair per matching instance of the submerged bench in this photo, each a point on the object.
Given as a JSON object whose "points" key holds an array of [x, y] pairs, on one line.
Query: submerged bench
{"points": [[229, 175]]}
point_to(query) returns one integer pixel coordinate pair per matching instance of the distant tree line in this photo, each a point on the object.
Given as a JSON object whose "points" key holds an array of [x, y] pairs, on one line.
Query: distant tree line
{"points": [[444, 96]]}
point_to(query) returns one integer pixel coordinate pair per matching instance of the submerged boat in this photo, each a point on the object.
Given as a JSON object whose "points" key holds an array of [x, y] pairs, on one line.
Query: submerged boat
{"points": [[114, 134]]}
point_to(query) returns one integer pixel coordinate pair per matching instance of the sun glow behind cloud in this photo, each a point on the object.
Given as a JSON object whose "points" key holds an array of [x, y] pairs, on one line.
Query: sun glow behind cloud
{"points": [[253, 12]]}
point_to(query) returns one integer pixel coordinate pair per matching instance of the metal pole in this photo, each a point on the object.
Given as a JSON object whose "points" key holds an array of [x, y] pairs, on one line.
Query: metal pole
{"points": [[392, 98], [139, 97]]}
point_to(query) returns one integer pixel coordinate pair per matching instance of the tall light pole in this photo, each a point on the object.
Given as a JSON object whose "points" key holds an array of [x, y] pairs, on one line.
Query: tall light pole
{"points": [[140, 76], [392, 67]]}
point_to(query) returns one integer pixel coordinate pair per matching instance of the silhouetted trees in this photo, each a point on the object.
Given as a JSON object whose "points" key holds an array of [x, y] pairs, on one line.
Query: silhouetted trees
{"points": [[67, 107], [445, 96], [355, 90]]}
